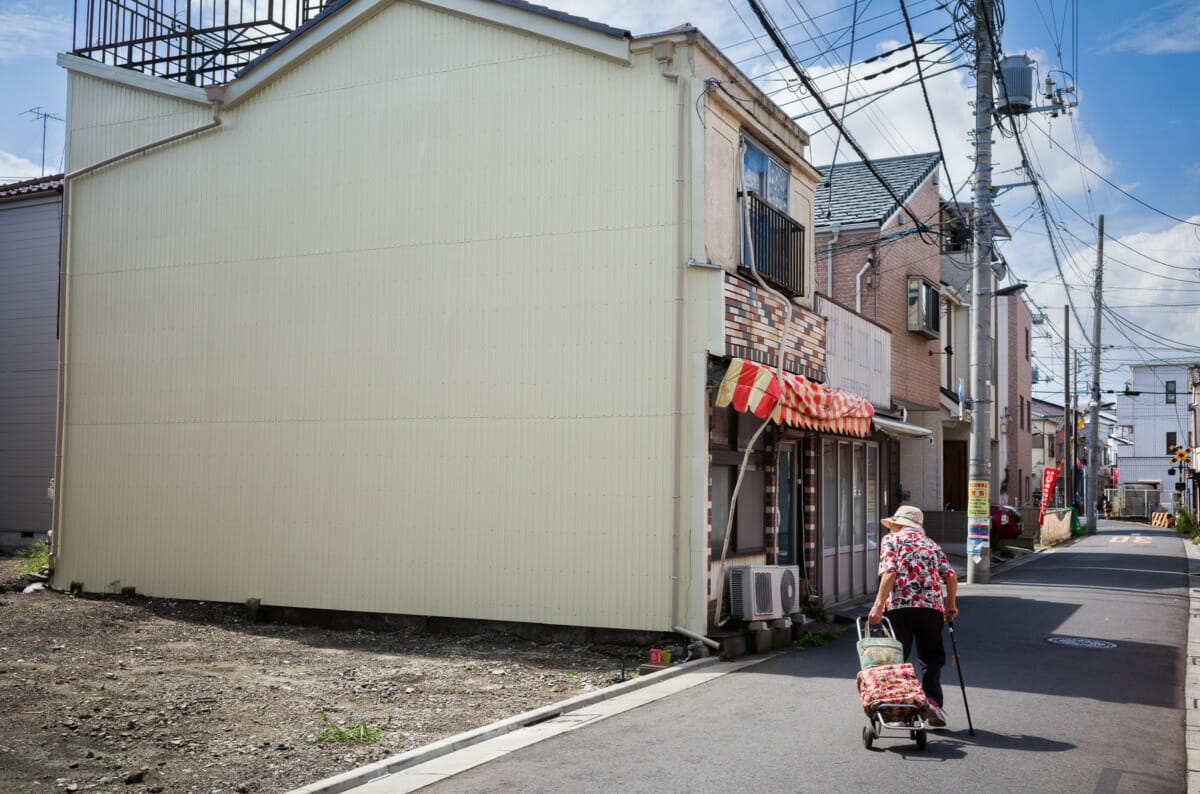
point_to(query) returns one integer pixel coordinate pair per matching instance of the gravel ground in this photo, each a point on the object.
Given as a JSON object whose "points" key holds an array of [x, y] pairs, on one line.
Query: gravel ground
{"points": [[132, 694]]}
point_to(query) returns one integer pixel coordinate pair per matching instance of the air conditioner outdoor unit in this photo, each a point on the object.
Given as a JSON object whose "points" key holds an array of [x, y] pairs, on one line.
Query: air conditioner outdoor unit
{"points": [[764, 592], [788, 589]]}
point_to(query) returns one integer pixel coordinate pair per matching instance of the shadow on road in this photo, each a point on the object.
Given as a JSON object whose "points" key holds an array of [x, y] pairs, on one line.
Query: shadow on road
{"points": [[954, 745]]}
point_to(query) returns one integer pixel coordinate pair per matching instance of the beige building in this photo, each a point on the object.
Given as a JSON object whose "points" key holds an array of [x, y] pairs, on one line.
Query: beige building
{"points": [[431, 322]]}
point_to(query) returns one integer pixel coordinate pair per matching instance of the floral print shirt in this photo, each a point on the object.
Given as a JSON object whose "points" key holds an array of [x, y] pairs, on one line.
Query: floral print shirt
{"points": [[919, 565]]}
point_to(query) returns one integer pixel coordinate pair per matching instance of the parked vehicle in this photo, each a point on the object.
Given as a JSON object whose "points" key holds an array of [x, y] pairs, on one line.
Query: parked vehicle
{"points": [[1006, 522]]}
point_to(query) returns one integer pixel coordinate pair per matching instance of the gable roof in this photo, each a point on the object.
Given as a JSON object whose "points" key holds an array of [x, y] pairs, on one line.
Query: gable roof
{"points": [[857, 196], [333, 7]]}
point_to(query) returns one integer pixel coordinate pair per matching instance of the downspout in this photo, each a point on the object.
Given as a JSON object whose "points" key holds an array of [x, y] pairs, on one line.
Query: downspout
{"points": [[837, 228], [664, 52], [216, 97], [858, 281]]}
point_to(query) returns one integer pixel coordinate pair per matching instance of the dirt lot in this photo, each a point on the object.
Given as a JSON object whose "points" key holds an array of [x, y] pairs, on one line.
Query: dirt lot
{"points": [[129, 694]]}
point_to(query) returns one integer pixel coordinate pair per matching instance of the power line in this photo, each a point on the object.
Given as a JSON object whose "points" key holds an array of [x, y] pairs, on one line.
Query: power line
{"points": [[1122, 190], [925, 93], [783, 49]]}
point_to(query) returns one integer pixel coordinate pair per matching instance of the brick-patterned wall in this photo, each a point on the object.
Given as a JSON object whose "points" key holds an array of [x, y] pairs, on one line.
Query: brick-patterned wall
{"points": [[883, 290], [754, 321], [812, 551]]}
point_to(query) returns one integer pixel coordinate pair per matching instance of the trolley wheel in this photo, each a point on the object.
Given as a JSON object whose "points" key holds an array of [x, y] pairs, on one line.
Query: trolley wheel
{"points": [[868, 737], [921, 738]]}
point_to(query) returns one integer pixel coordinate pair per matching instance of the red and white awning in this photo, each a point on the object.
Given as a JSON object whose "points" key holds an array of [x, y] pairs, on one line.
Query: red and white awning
{"points": [[800, 402]]}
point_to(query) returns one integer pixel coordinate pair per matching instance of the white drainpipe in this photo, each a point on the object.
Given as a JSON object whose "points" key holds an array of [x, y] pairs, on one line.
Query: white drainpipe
{"points": [[837, 228], [858, 282], [664, 52]]}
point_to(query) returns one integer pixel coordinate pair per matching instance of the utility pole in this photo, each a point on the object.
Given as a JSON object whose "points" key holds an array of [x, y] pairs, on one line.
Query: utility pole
{"points": [[980, 453], [1068, 470], [1092, 484]]}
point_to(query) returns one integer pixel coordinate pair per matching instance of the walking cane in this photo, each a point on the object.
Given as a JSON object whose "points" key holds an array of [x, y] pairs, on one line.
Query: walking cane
{"points": [[958, 664]]}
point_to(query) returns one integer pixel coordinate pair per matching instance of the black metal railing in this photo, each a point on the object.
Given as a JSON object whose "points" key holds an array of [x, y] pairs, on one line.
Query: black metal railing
{"points": [[778, 245]]}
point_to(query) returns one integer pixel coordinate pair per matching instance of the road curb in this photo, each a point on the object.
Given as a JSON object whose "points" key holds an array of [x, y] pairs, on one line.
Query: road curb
{"points": [[1191, 685], [365, 774]]}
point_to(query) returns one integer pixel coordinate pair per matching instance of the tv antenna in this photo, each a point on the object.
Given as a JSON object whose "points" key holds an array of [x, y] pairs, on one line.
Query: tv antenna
{"points": [[41, 115]]}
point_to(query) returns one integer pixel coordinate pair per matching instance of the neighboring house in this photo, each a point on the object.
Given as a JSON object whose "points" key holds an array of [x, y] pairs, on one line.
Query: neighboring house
{"points": [[1047, 441], [1194, 438], [347, 351], [30, 221], [1014, 460], [1156, 414], [880, 258]]}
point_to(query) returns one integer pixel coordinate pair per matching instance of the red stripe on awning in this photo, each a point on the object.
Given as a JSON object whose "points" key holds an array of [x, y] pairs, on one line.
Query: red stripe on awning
{"points": [[752, 387]]}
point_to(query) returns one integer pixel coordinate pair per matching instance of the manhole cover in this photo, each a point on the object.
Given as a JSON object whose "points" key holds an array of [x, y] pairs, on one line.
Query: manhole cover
{"points": [[1082, 642]]}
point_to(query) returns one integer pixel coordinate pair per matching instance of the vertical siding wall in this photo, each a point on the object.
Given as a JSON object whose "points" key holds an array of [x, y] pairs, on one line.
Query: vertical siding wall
{"points": [[398, 338], [858, 354], [28, 361]]}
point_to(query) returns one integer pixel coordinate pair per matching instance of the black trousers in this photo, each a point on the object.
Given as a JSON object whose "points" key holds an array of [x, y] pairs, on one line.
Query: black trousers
{"points": [[923, 625]]}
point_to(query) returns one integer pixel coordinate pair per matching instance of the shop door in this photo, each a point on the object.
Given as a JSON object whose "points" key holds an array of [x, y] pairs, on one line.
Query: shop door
{"points": [[828, 510], [849, 511]]}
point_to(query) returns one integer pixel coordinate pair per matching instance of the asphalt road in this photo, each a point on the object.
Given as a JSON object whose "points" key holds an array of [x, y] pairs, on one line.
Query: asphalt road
{"points": [[1047, 717]]}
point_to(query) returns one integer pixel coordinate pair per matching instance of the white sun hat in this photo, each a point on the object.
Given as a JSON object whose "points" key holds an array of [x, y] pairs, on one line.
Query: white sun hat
{"points": [[906, 516]]}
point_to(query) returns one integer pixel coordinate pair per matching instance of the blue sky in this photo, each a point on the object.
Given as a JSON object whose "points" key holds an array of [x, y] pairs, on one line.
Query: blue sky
{"points": [[1136, 126]]}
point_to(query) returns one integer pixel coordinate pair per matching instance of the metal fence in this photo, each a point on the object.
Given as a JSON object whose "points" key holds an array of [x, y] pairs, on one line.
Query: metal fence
{"points": [[778, 245], [1132, 502]]}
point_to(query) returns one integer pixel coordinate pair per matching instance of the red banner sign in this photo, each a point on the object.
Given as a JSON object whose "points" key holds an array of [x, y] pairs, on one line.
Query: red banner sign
{"points": [[1049, 477]]}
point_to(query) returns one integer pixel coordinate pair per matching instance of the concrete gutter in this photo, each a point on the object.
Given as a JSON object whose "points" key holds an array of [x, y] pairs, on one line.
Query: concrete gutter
{"points": [[366, 774]]}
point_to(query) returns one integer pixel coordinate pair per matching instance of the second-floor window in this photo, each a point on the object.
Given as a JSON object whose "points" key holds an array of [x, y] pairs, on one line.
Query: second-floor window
{"points": [[1170, 443], [773, 243], [922, 306], [765, 176], [1170, 392]]}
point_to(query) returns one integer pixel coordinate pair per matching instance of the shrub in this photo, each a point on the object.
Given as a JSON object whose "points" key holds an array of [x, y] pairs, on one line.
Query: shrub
{"points": [[1185, 521], [36, 557]]}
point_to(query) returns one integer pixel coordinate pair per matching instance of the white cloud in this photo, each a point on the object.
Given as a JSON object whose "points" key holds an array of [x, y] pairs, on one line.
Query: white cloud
{"points": [[26, 30], [1170, 28], [13, 167], [1151, 298]]}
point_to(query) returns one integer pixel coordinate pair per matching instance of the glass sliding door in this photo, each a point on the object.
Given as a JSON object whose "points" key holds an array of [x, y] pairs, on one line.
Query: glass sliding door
{"points": [[829, 545], [873, 528], [845, 519], [859, 518]]}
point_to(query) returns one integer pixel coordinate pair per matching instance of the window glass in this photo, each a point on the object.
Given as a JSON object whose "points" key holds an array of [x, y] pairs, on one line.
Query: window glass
{"points": [[828, 491], [777, 185], [860, 494], [1170, 442], [845, 516], [787, 483], [722, 490], [872, 497], [1170, 391], [751, 503], [765, 176]]}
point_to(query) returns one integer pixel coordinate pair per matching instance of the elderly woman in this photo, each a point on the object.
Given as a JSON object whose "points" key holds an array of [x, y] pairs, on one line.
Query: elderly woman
{"points": [[911, 571]]}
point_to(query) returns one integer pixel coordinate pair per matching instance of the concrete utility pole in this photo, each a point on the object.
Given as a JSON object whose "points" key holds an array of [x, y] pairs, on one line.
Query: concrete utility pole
{"points": [[979, 474], [1068, 464], [1091, 486]]}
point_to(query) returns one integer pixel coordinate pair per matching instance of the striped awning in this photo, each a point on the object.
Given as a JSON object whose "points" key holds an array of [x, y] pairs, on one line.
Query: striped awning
{"points": [[800, 402]]}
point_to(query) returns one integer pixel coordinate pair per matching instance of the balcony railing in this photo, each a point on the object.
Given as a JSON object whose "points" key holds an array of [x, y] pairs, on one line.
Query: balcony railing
{"points": [[778, 243]]}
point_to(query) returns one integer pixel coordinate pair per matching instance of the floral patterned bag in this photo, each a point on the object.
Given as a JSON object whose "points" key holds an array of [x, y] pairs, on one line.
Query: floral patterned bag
{"points": [[895, 683]]}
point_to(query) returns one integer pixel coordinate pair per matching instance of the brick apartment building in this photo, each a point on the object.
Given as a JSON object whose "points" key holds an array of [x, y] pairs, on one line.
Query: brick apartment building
{"points": [[880, 257]]}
